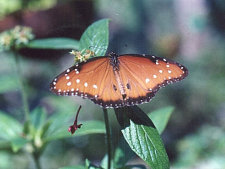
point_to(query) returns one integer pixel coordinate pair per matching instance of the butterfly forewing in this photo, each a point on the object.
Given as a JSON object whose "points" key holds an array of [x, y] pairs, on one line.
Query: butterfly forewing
{"points": [[81, 79]]}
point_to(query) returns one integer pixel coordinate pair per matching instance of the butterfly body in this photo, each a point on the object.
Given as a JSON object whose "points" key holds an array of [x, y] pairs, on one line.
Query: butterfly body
{"points": [[114, 62], [118, 80]]}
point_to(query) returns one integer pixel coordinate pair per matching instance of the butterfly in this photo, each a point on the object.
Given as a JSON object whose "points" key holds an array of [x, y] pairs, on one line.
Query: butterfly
{"points": [[118, 80]]}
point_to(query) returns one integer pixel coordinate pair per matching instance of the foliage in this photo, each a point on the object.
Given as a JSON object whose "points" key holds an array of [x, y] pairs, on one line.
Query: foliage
{"points": [[15, 38], [142, 136], [205, 147], [96, 37], [161, 117], [11, 6], [41, 129], [54, 43]]}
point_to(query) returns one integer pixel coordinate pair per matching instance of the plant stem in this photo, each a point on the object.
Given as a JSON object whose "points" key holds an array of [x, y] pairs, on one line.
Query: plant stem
{"points": [[21, 84], [36, 158], [108, 136]]}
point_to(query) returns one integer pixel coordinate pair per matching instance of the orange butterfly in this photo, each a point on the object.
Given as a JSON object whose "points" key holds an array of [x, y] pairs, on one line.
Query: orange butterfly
{"points": [[118, 80]]}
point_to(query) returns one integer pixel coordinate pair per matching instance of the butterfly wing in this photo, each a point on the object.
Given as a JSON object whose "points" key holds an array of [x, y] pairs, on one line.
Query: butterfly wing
{"points": [[144, 75], [92, 79]]}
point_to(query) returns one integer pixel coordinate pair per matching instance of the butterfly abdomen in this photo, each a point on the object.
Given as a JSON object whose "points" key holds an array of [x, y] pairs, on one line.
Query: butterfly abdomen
{"points": [[120, 84]]}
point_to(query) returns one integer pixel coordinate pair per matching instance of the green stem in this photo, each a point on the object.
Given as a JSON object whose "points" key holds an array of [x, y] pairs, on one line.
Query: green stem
{"points": [[36, 158], [21, 84], [108, 136]]}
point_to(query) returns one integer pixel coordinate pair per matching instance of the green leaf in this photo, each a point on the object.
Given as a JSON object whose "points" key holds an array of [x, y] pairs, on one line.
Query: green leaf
{"points": [[38, 117], [17, 143], [142, 137], [73, 167], [64, 105], [122, 154], [161, 117], [89, 127], [57, 123], [53, 43], [137, 166], [104, 162], [60, 122], [96, 37], [88, 165], [5, 144], [8, 83], [9, 126]]}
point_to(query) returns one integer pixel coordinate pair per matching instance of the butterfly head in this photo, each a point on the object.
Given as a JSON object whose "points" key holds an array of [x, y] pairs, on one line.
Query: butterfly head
{"points": [[114, 60]]}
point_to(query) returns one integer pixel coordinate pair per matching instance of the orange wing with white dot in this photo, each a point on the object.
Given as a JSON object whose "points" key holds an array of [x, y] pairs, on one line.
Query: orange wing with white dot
{"points": [[92, 79], [144, 75]]}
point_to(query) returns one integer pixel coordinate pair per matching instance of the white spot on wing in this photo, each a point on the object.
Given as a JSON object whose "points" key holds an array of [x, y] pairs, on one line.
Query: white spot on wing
{"points": [[95, 86], [154, 76], [67, 77], [160, 71], [85, 84], [68, 84], [147, 80], [68, 70], [169, 71], [78, 80]]}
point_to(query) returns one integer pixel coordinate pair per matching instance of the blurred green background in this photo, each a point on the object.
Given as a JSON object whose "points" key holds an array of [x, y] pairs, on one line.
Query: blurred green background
{"points": [[190, 32]]}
